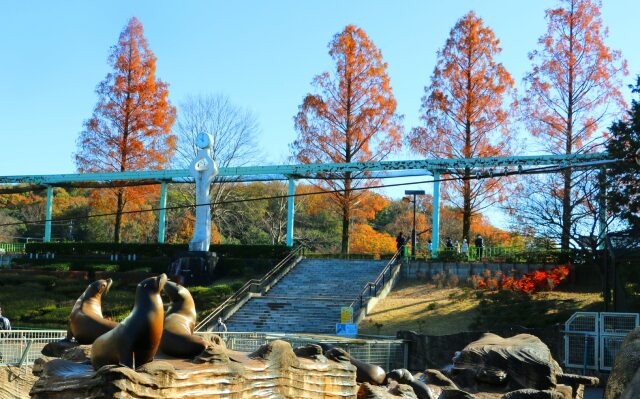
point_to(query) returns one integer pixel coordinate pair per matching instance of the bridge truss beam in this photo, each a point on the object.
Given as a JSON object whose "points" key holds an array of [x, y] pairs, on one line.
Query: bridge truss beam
{"points": [[291, 173]]}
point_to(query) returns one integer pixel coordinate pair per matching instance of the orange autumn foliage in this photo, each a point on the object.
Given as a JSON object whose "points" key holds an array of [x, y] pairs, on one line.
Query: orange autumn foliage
{"points": [[187, 226], [351, 119], [365, 240], [464, 113], [573, 86], [131, 125]]}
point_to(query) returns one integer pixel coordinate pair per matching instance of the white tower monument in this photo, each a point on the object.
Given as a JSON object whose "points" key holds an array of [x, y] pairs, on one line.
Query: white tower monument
{"points": [[204, 170]]}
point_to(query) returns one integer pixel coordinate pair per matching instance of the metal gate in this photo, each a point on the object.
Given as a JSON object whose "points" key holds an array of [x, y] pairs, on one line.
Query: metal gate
{"points": [[592, 339]]}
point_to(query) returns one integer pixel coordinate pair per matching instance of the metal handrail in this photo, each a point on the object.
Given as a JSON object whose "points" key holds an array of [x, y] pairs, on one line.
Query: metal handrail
{"points": [[12, 247], [247, 288], [357, 303]]}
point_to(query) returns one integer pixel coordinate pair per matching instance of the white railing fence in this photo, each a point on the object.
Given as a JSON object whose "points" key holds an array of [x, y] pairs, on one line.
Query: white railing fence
{"points": [[23, 347]]}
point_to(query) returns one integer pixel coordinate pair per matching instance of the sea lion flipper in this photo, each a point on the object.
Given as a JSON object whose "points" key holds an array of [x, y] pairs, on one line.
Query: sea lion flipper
{"points": [[126, 359]]}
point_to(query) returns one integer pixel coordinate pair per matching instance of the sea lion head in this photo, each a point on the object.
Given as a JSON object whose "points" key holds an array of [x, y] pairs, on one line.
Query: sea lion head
{"points": [[181, 299], [175, 291], [153, 284], [97, 288]]}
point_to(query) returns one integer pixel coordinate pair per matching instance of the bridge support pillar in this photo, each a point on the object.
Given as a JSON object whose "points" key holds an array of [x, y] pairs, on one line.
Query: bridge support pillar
{"points": [[48, 210], [290, 211], [435, 223], [162, 216]]}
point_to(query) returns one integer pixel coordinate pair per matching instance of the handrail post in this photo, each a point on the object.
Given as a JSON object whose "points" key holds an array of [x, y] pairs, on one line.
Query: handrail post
{"points": [[290, 211], [25, 353], [162, 216], [48, 210]]}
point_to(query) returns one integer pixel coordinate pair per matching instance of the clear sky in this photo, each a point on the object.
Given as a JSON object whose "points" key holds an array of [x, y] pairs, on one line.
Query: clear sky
{"points": [[262, 54]]}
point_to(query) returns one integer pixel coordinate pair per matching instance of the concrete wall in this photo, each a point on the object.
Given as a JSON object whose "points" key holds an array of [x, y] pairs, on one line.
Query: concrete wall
{"points": [[421, 269]]}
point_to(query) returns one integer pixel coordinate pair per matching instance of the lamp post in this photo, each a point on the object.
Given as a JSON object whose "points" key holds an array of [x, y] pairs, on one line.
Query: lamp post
{"points": [[413, 230]]}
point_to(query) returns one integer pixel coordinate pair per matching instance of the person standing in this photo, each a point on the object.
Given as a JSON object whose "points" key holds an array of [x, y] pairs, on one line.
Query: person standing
{"points": [[220, 326], [400, 242], [449, 244], [4, 322], [464, 249], [479, 246]]}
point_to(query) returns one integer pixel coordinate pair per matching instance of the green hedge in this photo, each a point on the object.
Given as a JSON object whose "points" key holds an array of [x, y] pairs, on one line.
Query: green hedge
{"points": [[91, 248]]}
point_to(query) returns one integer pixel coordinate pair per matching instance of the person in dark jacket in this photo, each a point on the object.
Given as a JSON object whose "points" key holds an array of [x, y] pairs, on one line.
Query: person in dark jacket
{"points": [[479, 245], [400, 241], [449, 244], [4, 322]]}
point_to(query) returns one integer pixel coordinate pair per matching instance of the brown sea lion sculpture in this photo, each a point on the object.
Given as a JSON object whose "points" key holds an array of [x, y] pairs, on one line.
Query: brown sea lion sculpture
{"points": [[86, 322], [136, 339], [179, 321], [365, 372]]}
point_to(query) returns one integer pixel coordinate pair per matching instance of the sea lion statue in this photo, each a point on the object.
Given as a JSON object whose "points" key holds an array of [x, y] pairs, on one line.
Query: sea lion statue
{"points": [[179, 321], [365, 372], [135, 340], [86, 322]]}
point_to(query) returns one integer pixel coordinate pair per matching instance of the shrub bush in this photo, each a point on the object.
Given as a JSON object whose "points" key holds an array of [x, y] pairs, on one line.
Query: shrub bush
{"points": [[89, 248], [451, 256], [58, 267]]}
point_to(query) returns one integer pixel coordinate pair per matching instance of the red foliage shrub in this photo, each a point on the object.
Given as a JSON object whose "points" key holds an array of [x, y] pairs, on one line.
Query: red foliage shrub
{"points": [[530, 283]]}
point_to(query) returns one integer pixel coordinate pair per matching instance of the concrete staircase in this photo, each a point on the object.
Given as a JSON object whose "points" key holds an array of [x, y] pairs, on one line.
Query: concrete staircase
{"points": [[308, 299]]}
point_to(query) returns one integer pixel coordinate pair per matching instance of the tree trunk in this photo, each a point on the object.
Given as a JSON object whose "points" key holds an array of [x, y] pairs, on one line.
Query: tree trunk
{"points": [[566, 211], [565, 235], [346, 216], [119, 209], [345, 230]]}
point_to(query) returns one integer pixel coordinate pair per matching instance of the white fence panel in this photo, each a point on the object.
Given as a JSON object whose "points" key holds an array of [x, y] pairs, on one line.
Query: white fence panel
{"points": [[592, 340]]}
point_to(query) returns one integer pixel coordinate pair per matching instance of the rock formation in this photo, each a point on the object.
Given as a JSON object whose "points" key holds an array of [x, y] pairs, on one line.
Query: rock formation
{"points": [[274, 370], [625, 369]]}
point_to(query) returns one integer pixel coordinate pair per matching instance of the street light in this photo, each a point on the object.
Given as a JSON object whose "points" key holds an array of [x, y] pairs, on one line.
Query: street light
{"points": [[413, 231]]}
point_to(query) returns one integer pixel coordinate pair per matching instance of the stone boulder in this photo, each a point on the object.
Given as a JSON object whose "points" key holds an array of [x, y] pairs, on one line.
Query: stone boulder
{"points": [[522, 361], [625, 367]]}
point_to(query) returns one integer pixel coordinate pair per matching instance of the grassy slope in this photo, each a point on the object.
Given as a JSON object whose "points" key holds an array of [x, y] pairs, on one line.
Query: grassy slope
{"points": [[422, 307], [45, 302]]}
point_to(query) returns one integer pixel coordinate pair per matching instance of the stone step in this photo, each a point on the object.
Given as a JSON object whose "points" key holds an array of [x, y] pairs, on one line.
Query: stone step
{"points": [[305, 300]]}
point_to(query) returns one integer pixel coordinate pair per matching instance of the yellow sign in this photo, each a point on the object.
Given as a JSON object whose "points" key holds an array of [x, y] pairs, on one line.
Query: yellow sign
{"points": [[346, 314]]}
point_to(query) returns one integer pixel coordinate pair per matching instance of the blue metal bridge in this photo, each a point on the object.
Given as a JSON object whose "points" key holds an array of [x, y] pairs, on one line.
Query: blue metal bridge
{"points": [[434, 168]]}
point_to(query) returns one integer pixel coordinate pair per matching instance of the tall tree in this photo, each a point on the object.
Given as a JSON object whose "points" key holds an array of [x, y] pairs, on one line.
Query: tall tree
{"points": [[572, 87], [464, 113], [624, 187], [351, 118], [131, 125], [235, 143]]}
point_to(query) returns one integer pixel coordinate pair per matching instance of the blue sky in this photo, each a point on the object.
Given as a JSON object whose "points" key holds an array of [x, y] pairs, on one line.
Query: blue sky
{"points": [[262, 54]]}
